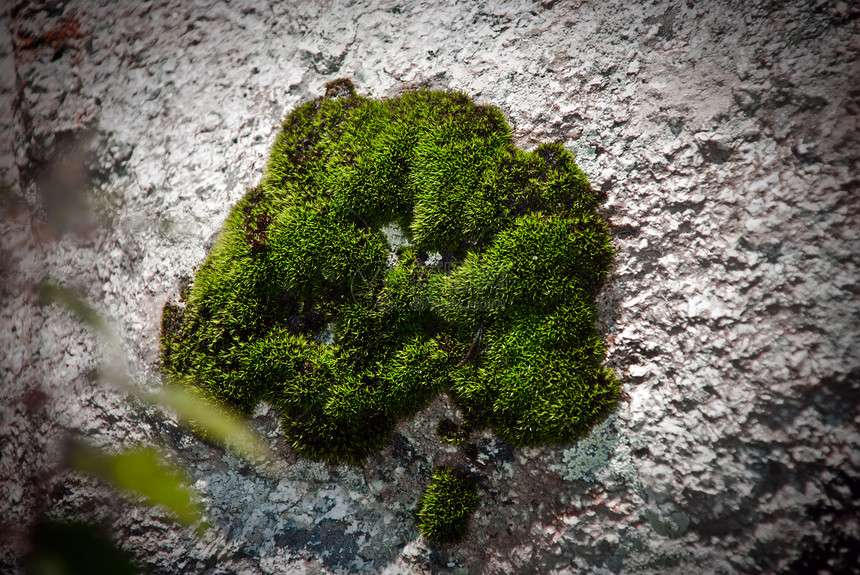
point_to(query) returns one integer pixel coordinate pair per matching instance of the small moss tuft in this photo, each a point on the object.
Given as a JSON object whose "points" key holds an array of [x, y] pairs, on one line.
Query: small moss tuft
{"points": [[306, 299], [447, 505]]}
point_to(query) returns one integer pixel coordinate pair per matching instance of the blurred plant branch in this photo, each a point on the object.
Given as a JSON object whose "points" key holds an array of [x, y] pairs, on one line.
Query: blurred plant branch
{"points": [[142, 472]]}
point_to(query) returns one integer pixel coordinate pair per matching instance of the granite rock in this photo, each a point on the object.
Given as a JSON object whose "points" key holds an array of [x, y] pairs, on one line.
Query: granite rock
{"points": [[727, 139]]}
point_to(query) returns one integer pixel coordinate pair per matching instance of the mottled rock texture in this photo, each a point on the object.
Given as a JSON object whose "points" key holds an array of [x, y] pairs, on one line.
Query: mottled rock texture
{"points": [[725, 135]]}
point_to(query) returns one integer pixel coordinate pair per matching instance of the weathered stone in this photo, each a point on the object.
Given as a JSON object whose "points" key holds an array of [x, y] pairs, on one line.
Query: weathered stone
{"points": [[727, 140]]}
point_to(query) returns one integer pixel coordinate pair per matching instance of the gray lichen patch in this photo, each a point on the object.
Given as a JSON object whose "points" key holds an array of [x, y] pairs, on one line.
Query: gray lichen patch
{"points": [[603, 456]]}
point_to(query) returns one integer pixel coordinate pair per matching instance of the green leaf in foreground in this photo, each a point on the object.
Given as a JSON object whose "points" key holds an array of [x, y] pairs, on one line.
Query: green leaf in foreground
{"points": [[215, 423], [141, 472]]}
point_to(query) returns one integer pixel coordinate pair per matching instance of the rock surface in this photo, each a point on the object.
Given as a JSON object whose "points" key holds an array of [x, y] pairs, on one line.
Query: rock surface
{"points": [[727, 137]]}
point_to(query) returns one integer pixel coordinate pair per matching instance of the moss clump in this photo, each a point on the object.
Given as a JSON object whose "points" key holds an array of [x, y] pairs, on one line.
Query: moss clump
{"points": [[446, 506], [306, 301]]}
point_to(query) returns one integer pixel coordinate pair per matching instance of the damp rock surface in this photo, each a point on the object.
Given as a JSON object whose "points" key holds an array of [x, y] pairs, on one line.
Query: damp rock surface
{"points": [[725, 137]]}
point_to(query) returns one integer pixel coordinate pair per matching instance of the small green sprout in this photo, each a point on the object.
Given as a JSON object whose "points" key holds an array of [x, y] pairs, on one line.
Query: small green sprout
{"points": [[446, 507]]}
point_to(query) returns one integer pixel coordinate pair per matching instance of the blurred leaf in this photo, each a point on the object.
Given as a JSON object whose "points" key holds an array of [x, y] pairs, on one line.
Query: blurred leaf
{"points": [[215, 422], [114, 369], [140, 472], [69, 300], [76, 548]]}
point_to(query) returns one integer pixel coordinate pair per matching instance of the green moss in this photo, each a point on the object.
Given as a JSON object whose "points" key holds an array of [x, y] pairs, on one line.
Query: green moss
{"points": [[446, 506], [304, 301]]}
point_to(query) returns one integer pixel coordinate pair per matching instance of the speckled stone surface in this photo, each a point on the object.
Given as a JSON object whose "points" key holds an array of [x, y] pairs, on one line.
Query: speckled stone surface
{"points": [[727, 138]]}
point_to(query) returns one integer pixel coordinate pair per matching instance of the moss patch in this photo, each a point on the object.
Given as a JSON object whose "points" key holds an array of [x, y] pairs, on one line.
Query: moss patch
{"points": [[396, 249], [447, 505]]}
